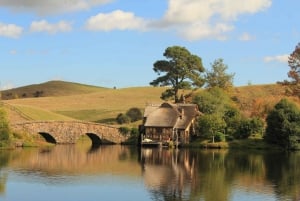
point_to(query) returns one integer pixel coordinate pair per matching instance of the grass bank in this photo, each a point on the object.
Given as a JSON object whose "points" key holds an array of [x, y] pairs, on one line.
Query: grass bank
{"points": [[251, 143]]}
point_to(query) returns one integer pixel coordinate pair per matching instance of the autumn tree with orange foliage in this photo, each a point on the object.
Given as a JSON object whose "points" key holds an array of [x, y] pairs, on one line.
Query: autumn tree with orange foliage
{"points": [[294, 73]]}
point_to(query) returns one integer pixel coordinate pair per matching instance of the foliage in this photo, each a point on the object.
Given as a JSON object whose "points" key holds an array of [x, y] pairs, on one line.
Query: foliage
{"points": [[134, 132], [122, 118], [124, 130], [4, 126], [294, 64], [222, 116], [210, 124], [249, 127], [293, 86], [219, 137], [283, 125], [134, 114], [181, 70], [212, 101], [218, 77]]}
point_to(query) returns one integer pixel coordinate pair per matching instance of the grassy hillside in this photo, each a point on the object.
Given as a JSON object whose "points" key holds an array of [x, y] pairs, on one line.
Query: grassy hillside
{"points": [[67, 101], [47, 89], [102, 105]]}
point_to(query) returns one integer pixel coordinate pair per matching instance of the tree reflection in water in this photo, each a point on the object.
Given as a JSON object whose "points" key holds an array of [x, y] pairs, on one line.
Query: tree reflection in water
{"points": [[168, 174], [215, 175]]}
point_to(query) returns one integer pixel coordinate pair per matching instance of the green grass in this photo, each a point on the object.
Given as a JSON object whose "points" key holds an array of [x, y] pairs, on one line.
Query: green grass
{"points": [[101, 106], [34, 113], [67, 100], [251, 143]]}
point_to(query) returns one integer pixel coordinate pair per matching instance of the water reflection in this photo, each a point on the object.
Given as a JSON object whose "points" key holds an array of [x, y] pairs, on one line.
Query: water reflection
{"points": [[213, 175], [166, 174]]}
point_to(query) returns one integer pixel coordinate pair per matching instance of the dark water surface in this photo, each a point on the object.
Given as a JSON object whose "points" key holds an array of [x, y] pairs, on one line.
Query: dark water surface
{"points": [[79, 173]]}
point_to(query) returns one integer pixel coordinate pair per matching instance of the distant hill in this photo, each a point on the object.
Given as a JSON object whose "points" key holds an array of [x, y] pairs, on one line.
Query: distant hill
{"points": [[49, 89]]}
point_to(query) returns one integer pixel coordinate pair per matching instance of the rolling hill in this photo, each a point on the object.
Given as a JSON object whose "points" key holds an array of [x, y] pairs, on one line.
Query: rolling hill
{"points": [[62, 100], [66, 101], [47, 89]]}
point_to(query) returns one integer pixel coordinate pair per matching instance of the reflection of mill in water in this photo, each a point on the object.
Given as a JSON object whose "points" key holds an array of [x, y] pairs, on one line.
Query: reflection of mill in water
{"points": [[167, 172]]}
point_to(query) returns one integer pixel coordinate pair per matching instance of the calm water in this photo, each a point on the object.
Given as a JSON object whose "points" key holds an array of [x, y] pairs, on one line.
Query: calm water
{"points": [[79, 173]]}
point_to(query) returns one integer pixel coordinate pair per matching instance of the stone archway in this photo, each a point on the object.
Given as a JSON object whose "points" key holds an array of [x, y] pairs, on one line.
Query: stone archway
{"points": [[96, 140], [48, 137]]}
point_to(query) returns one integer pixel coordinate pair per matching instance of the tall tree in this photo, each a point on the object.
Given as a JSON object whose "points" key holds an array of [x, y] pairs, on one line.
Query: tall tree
{"points": [[294, 64], [218, 77], [181, 70], [294, 73]]}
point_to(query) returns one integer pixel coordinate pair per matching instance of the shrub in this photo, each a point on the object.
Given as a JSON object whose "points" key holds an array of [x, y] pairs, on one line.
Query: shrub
{"points": [[219, 137], [134, 114], [122, 119], [249, 127], [124, 130], [4, 127]]}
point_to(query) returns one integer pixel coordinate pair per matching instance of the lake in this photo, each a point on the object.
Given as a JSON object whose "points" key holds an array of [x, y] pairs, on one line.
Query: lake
{"points": [[82, 173]]}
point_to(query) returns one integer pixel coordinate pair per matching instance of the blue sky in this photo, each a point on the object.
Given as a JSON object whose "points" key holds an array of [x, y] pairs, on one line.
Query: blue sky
{"points": [[115, 42]]}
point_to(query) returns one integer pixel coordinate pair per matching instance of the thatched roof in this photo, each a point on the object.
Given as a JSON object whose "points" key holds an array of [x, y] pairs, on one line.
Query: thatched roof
{"points": [[170, 115]]}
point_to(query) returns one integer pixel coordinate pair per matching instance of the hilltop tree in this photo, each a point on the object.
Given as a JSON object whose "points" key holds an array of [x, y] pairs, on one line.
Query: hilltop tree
{"points": [[218, 77], [181, 70]]}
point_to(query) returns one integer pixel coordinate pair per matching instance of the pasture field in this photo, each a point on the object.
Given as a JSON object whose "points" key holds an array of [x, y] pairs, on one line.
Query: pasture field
{"points": [[68, 101]]}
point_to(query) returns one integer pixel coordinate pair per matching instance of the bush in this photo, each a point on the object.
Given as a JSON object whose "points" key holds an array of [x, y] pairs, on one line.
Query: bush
{"points": [[134, 132], [124, 130], [249, 127], [134, 114], [122, 119], [219, 137], [4, 127]]}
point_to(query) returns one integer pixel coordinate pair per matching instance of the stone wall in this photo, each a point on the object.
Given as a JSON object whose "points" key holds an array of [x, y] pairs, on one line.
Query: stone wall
{"points": [[67, 132]]}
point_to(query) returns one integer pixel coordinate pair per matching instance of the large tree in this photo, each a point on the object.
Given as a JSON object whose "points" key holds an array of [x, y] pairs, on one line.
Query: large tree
{"points": [[181, 70], [218, 77], [294, 73], [294, 64], [283, 125]]}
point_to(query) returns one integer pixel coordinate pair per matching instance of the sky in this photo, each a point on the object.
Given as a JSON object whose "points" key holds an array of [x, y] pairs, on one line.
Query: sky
{"points": [[114, 43]]}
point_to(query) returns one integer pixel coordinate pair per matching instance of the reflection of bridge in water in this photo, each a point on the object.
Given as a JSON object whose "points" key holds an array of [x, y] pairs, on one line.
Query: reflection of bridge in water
{"points": [[68, 132]]}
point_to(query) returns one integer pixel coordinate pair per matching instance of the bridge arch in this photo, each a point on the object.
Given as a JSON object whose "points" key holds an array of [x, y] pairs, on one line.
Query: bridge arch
{"points": [[48, 137], [96, 140]]}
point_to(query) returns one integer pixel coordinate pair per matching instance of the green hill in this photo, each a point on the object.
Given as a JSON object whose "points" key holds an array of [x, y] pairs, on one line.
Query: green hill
{"points": [[47, 89], [81, 102], [66, 101]]}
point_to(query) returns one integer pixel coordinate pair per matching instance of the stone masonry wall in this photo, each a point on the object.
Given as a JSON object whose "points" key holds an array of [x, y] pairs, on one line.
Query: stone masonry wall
{"points": [[66, 132]]}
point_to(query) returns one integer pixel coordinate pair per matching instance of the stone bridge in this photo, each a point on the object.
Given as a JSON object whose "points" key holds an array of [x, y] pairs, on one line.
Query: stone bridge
{"points": [[68, 132]]}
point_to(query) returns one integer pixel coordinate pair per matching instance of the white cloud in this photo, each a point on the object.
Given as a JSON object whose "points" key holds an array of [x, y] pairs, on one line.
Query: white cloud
{"points": [[205, 31], [204, 10], [191, 19], [10, 30], [50, 6], [116, 20], [279, 58], [201, 19], [246, 37], [44, 26]]}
